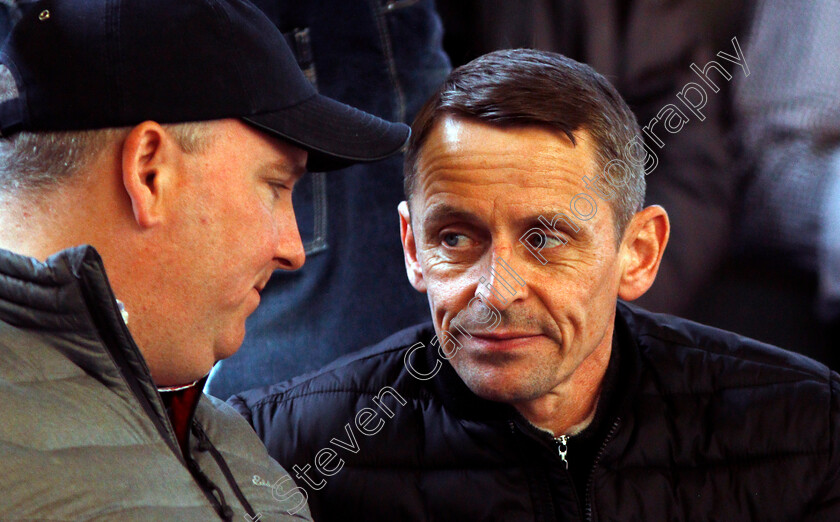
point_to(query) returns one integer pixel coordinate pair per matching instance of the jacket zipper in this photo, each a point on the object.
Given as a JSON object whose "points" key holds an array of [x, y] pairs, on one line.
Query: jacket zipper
{"points": [[562, 443], [598, 456]]}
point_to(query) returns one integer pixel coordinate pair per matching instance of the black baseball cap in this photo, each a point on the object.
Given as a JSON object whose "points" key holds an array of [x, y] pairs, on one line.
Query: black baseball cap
{"points": [[89, 64]]}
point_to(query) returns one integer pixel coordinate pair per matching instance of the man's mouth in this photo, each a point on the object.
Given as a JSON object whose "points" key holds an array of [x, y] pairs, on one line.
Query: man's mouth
{"points": [[499, 336], [260, 286], [503, 340]]}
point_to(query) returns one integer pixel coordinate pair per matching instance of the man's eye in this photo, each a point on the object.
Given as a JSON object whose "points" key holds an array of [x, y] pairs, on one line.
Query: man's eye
{"points": [[277, 189], [452, 239], [543, 240]]}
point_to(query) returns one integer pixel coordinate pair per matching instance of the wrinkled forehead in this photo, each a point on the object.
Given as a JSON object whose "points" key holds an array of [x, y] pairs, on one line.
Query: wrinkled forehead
{"points": [[515, 169]]}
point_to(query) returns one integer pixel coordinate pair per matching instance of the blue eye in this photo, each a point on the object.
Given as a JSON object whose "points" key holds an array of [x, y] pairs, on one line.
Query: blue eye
{"points": [[451, 239]]}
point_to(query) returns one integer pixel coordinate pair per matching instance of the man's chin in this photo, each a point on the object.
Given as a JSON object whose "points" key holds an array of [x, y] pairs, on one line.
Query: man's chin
{"points": [[501, 384], [229, 345]]}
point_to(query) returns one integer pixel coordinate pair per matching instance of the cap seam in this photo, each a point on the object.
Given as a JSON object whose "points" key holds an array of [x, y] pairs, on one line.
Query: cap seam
{"points": [[287, 107], [216, 6]]}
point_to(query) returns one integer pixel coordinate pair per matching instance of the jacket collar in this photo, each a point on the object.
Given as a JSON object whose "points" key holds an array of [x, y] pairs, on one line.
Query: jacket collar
{"points": [[45, 296], [68, 298]]}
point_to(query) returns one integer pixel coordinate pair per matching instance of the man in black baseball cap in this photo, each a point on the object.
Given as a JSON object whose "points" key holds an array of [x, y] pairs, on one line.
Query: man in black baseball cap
{"points": [[157, 142]]}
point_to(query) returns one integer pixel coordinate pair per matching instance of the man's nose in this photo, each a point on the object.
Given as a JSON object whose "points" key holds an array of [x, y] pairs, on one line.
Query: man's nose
{"points": [[500, 284], [289, 252]]}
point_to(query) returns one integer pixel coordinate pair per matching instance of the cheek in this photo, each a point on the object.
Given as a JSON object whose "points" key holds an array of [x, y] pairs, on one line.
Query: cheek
{"points": [[578, 290], [236, 237], [448, 295], [245, 219]]}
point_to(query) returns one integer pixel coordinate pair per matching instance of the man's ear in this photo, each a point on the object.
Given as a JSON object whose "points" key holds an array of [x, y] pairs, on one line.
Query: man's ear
{"points": [[149, 158], [412, 265], [641, 251]]}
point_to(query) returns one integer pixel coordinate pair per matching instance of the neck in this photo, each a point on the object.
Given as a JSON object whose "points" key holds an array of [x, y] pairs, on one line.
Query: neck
{"points": [[570, 407], [37, 224]]}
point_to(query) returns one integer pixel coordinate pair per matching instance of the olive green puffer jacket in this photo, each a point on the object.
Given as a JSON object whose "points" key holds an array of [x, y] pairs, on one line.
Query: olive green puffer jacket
{"points": [[83, 431]]}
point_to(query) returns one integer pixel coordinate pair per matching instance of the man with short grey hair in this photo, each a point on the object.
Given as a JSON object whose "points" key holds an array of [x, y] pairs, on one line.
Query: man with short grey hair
{"points": [[536, 393], [147, 158]]}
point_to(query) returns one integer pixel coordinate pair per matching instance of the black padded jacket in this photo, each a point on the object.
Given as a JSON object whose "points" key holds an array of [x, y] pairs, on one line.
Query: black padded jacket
{"points": [[705, 425]]}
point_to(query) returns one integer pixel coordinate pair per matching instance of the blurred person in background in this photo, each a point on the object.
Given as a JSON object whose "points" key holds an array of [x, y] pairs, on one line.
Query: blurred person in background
{"points": [[782, 283]]}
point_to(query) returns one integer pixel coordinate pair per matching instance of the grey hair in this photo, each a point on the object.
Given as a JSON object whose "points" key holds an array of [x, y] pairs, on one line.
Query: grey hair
{"points": [[36, 160]]}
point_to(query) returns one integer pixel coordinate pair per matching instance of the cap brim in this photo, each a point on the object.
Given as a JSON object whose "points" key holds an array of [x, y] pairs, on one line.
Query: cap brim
{"points": [[335, 135]]}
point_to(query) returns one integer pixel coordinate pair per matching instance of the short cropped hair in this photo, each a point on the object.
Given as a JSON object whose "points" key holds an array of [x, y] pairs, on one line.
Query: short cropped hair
{"points": [[36, 160], [528, 87]]}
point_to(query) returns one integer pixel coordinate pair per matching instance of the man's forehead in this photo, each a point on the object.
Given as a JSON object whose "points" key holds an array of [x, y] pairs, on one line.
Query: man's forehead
{"points": [[460, 134], [466, 156], [270, 154]]}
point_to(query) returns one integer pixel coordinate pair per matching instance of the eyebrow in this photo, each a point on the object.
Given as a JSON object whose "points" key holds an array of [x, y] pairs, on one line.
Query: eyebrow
{"points": [[284, 167], [561, 225], [445, 212]]}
